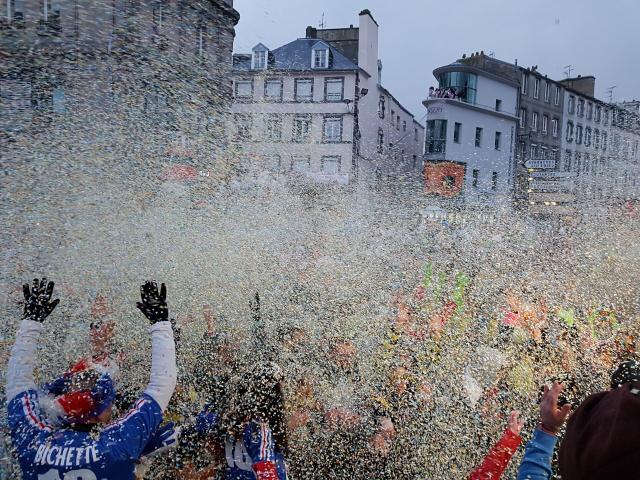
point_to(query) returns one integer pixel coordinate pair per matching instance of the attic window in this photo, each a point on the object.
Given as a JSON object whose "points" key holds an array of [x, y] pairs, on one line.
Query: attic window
{"points": [[259, 60], [320, 58]]}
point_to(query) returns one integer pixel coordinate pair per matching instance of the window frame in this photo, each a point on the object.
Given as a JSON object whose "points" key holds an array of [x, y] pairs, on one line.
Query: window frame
{"points": [[497, 141], [571, 106], [556, 100], [271, 119], [547, 91], [523, 118], [536, 88], [328, 80], [246, 121], [534, 121], [545, 124], [475, 176], [494, 181], [296, 98], [326, 58], [243, 97], [277, 99], [457, 130], [323, 160], [325, 121], [554, 127], [265, 56], [478, 139], [295, 158], [524, 83], [301, 117]]}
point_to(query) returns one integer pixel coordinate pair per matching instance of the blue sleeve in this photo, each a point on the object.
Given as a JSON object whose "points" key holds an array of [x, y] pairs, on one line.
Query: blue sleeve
{"points": [[25, 420], [127, 438], [536, 463]]}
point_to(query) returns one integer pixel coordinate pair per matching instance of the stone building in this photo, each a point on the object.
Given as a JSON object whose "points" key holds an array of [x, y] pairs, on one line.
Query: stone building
{"points": [[316, 108], [156, 71]]}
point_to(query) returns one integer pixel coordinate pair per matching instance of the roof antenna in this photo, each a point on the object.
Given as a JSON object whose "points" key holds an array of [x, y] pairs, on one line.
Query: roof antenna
{"points": [[567, 70], [322, 23]]}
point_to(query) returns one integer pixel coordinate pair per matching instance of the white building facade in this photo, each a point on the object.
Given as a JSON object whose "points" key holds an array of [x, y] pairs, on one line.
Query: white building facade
{"points": [[311, 109], [470, 135]]}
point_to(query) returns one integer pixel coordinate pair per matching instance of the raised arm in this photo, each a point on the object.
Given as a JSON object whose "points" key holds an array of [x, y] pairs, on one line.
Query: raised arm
{"points": [[37, 307], [163, 349], [536, 463]]}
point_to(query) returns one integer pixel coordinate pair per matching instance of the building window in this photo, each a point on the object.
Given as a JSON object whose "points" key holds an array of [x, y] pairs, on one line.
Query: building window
{"points": [[273, 127], [497, 140], [331, 164], [569, 132], [498, 105], [534, 121], [494, 181], [332, 129], [545, 124], [393, 116], [333, 89], [604, 140], [301, 128], [580, 110], [436, 139], [572, 104], [415, 135], [320, 58], [547, 91], [478, 136], [544, 152], [273, 90], [404, 125], [598, 113], [474, 178], [606, 117], [303, 90], [533, 151], [380, 140], [301, 163], [259, 60], [596, 138], [381, 106], [456, 132], [523, 85], [523, 118], [567, 160], [589, 111], [579, 134], [243, 126], [398, 123], [536, 88], [244, 90], [522, 147], [273, 163], [462, 85], [587, 137], [556, 99], [554, 127]]}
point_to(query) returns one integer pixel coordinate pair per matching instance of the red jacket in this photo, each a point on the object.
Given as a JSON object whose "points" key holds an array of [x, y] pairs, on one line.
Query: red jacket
{"points": [[498, 458]]}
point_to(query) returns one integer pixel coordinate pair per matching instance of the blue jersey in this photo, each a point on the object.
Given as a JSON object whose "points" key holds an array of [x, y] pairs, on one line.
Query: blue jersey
{"points": [[48, 453], [246, 454]]}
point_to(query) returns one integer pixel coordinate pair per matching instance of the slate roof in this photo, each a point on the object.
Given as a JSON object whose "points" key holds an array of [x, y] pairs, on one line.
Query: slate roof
{"points": [[296, 57]]}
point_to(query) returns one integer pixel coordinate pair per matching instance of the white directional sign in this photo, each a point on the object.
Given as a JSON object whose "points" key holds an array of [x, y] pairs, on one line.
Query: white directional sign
{"points": [[544, 174], [541, 163], [550, 185]]}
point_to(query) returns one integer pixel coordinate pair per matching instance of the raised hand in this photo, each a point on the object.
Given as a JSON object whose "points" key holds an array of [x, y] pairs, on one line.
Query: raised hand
{"points": [[154, 303], [515, 424], [37, 300], [552, 416]]}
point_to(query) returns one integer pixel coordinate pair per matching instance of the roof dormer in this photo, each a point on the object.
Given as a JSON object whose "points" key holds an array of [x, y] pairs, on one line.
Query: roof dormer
{"points": [[320, 56], [259, 57]]}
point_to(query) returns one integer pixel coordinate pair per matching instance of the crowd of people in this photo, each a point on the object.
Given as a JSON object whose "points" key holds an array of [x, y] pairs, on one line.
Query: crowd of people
{"points": [[271, 418], [449, 92]]}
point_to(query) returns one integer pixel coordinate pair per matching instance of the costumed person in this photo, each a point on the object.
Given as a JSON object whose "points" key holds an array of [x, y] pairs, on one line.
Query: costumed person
{"points": [[77, 439], [249, 435]]}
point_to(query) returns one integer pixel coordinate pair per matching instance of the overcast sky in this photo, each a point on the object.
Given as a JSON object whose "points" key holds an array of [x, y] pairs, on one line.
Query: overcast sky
{"points": [[598, 38]]}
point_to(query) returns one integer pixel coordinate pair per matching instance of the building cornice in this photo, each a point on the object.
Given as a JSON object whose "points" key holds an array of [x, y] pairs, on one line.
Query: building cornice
{"points": [[478, 108]]}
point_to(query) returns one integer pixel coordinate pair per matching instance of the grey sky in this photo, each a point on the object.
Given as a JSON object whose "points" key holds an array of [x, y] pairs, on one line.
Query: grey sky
{"points": [[597, 37]]}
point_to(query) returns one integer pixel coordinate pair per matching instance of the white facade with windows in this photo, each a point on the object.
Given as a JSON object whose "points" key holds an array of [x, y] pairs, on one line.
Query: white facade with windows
{"points": [[475, 130], [313, 112]]}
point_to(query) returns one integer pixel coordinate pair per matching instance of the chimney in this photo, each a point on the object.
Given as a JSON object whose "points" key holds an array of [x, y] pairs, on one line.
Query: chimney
{"points": [[368, 44], [311, 32]]}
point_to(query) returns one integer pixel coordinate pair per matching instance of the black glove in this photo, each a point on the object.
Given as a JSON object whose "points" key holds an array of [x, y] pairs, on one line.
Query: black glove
{"points": [[154, 304], [37, 304]]}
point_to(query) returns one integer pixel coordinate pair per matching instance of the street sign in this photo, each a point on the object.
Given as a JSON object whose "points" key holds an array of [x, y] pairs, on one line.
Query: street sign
{"points": [[541, 163], [550, 185], [545, 174]]}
